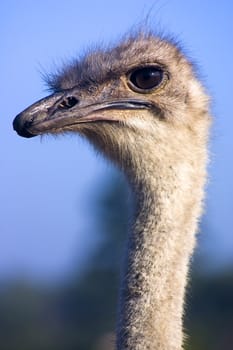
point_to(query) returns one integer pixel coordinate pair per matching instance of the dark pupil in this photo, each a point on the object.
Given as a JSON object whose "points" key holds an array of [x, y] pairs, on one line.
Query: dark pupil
{"points": [[147, 78]]}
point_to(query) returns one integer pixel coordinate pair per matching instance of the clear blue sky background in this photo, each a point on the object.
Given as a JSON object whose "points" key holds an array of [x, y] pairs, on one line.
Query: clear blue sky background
{"points": [[46, 186]]}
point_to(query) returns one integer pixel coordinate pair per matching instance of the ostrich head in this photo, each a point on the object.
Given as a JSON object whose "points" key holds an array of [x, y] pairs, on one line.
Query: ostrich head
{"points": [[138, 98]]}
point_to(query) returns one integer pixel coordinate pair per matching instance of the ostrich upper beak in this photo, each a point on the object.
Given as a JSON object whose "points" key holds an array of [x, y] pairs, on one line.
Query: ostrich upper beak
{"points": [[63, 110]]}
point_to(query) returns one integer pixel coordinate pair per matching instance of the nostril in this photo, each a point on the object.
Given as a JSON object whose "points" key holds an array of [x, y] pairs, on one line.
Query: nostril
{"points": [[72, 101], [68, 102]]}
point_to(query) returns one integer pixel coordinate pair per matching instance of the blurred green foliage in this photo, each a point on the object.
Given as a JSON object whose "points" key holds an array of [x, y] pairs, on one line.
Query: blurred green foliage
{"points": [[80, 314]]}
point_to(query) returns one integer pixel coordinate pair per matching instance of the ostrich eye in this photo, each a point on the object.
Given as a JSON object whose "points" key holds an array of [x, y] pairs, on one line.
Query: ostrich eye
{"points": [[146, 78]]}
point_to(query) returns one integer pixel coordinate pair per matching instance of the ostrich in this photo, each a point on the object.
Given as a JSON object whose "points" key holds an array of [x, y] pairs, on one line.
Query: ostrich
{"points": [[142, 106]]}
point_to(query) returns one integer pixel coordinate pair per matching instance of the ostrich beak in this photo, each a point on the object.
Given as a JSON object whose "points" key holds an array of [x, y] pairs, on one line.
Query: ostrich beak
{"points": [[64, 110]]}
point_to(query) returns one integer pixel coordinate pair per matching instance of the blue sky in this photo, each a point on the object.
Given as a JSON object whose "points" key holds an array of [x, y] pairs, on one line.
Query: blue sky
{"points": [[46, 185]]}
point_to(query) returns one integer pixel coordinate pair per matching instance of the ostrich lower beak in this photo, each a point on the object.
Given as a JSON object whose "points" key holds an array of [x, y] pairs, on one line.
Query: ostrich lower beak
{"points": [[62, 110]]}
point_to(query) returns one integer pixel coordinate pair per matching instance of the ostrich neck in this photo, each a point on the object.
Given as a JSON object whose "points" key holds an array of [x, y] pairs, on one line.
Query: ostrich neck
{"points": [[159, 247]]}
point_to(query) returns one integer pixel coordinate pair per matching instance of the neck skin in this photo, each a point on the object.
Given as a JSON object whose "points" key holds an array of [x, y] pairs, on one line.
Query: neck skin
{"points": [[160, 244]]}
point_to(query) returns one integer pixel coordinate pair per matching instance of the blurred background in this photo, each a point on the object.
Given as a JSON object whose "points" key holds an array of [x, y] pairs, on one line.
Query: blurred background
{"points": [[64, 210]]}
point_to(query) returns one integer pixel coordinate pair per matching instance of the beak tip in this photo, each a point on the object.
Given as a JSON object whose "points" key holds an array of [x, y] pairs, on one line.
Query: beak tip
{"points": [[19, 127]]}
